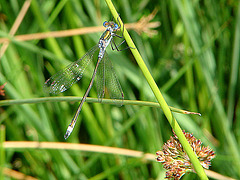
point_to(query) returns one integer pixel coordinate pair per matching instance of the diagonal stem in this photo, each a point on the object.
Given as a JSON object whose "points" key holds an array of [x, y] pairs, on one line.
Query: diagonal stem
{"points": [[197, 166]]}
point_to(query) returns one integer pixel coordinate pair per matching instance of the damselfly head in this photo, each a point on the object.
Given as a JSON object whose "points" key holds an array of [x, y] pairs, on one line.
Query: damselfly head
{"points": [[111, 24]]}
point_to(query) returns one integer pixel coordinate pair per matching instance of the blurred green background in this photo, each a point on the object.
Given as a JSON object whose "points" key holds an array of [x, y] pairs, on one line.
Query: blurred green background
{"points": [[194, 59]]}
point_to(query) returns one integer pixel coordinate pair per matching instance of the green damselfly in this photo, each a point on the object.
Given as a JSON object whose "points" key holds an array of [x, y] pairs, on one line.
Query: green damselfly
{"points": [[71, 74]]}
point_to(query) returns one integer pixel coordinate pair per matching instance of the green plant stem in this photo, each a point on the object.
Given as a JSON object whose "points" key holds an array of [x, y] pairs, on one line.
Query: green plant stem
{"points": [[89, 100], [197, 166], [2, 151]]}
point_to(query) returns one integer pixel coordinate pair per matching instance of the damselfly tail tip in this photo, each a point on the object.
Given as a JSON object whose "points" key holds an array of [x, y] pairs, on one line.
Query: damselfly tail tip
{"points": [[68, 132]]}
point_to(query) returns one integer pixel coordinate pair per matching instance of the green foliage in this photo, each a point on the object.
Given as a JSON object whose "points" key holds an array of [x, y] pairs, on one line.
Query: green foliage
{"points": [[194, 59]]}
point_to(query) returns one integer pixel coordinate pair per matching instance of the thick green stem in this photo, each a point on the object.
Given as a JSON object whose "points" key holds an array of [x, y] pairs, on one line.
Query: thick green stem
{"points": [[197, 166]]}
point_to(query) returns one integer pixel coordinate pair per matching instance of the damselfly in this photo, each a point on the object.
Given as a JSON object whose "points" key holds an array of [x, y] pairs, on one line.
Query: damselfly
{"points": [[65, 78]]}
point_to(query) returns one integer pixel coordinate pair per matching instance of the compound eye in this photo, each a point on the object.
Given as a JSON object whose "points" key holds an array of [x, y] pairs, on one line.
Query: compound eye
{"points": [[116, 26], [105, 24]]}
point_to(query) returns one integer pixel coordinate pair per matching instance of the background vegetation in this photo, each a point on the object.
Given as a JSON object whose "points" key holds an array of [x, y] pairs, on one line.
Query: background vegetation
{"points": [[194, 59]]}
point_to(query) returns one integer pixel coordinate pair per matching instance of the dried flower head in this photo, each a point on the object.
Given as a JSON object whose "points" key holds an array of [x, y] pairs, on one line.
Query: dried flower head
{"points": [[176, 161], [2, 92]]}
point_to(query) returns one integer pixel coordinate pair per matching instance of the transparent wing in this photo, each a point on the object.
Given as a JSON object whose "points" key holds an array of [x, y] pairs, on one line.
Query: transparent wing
{"points": [[101, 80], [65, 78], [111, 81]]}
